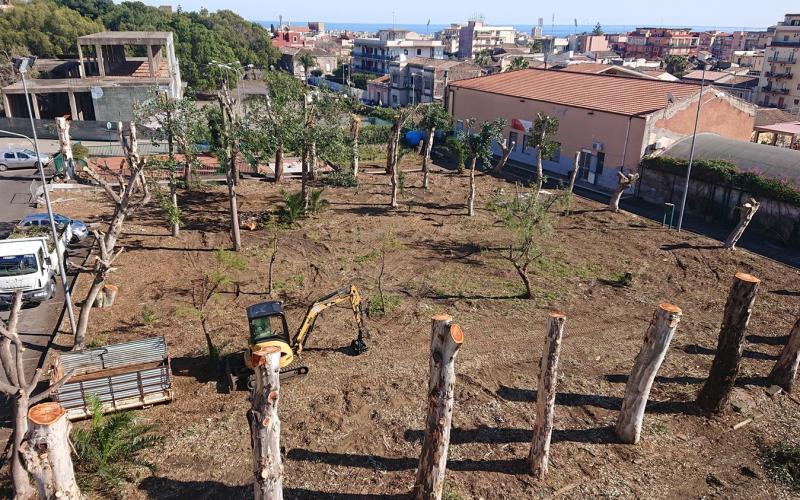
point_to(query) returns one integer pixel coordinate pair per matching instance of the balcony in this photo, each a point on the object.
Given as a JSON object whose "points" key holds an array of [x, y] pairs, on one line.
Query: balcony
{"points": [[790, 43], [775, 90], [779, 74], [376, 57], [782, 60]]}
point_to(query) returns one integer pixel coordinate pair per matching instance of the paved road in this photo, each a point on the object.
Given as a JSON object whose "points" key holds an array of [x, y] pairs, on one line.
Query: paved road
{"points": [[37, 324]]}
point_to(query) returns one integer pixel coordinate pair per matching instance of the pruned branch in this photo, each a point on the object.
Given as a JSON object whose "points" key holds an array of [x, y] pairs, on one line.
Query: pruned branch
{"points": [[53, 388]]}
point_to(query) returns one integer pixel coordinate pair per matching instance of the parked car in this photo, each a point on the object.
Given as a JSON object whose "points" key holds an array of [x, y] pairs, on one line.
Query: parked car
{"points": [[76, 230], [21, 158]]}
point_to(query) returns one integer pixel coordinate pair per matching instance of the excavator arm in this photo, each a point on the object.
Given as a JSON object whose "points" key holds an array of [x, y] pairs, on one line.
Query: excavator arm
{"points": [[349, 292]]}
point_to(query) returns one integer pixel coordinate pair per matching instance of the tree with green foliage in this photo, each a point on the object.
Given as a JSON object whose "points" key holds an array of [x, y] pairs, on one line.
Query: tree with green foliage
{"points": [[434, 118], [536, 46], [307, 61], [544, 128], [179, 123], [518, 63], [676, 66], [402, 118], [598, 30], [478, 147], [483, 58], [527, 217], [111, 449]]}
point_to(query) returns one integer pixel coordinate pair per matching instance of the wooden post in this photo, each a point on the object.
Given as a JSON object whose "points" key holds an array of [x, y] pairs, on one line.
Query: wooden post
{"points": [[471, 199], [355, 131], [46, 450], [427, 158], [574, 174], [645, 367], [625, 181], [265, 426], [446, 340], [713, 398], [785, 369], [546, 396], [746, 214]]}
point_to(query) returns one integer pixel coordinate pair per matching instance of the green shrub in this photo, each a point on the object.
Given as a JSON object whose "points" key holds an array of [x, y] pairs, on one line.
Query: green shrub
{"points": [[149, 317], [80, 152], [316, 203], [374, 134], [110, 450], [340, 178], [725, 173], [292, 209], [782, 463]]}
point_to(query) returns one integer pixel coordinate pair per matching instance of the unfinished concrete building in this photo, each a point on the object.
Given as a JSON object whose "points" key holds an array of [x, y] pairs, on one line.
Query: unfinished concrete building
{"points": [[117, 69]]}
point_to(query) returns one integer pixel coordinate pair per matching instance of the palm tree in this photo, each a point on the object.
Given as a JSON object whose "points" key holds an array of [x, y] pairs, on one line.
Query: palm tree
{"points": [[483, 58], [307, 61], [518, 62]]}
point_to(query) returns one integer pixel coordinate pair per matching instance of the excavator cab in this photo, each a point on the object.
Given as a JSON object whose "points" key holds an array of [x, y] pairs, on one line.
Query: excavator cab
{"points": [[268, 327]]}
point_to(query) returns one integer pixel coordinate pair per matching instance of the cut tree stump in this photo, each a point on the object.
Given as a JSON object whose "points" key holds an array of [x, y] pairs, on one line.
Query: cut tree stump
{"points": [[713, 398], [546, 396], [785, 369], [446, 340], [574, 174], [625, 181], [265, 426], [645, 367], [107, 296], [746, 214], [47, 453]]}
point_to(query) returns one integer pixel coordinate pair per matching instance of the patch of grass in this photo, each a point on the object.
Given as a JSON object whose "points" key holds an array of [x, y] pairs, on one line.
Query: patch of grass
{"points": [[340, 178], [298, 280], [449, 492], [371, 255], [782, 463], [658, 428], [621, 279], [376, 309], [279, 285], [149, 317], [562, 269], [99, 341]]}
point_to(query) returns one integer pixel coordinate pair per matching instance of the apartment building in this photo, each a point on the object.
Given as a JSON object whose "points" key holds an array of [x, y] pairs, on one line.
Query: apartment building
{"points": [[658, 43], [780, 76], [110, 81], [449, 38], [592, 43], [292, 36], [374, 55], [753, 40], [475, 37], [423, 80]]}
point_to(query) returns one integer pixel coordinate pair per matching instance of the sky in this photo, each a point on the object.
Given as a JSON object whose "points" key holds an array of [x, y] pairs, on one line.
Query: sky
{"points": [[733, 13]]}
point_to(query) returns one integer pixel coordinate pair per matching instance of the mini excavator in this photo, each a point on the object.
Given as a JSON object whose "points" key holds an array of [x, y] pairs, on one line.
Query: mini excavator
{"points": [[268, 328]]}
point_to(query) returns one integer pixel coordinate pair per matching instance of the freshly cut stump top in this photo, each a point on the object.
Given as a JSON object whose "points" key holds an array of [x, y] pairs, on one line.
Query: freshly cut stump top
{"points": [[748, 278], [46, 413]]}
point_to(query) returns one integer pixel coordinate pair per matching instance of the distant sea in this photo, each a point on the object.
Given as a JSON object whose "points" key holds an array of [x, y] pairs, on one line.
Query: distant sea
{"points": [[557, 30]]}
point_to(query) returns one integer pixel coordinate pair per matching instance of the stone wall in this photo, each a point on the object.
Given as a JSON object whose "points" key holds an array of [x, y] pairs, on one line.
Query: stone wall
{"points": [[775, 219]]}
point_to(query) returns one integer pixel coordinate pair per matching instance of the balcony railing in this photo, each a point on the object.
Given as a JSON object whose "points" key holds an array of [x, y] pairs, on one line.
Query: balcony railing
{"points": [[782, 43], [779, 74], [376, 57], [783, 60], [770, 88]]}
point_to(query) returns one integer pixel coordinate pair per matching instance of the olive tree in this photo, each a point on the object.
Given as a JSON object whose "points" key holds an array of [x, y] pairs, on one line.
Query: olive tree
{"points": [[544, 128], [478, 147], [433, 118]]}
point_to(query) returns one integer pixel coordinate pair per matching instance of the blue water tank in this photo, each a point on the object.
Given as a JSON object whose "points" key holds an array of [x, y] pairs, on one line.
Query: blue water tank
{"points": [[413, 137]]}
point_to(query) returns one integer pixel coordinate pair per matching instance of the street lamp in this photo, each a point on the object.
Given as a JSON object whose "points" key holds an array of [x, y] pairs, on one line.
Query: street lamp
{"points": [[706, 64], [21, 66], [240, 76]]}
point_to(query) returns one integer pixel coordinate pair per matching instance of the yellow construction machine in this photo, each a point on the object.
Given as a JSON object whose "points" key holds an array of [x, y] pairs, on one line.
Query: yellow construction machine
{"points": [[268, 328]]}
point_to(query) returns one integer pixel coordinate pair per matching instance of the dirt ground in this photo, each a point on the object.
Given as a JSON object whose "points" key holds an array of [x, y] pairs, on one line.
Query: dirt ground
{"points": [[352, 427]]}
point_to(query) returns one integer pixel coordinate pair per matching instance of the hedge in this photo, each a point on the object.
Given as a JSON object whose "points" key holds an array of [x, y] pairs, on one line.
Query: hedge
{"points": [[726, 174]]}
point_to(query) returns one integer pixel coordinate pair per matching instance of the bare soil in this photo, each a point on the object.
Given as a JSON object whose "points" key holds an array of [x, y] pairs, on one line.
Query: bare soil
{"points": [[352, 427]]}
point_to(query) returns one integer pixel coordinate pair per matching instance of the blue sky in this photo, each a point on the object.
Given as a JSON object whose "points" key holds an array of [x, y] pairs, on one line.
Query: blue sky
{"points": [[733, 13]]}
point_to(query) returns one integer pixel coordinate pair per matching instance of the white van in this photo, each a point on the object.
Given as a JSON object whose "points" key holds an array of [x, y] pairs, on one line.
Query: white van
{"points": [[29, 265]]}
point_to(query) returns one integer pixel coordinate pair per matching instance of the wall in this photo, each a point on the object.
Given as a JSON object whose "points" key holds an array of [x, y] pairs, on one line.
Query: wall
{"points": [[720, 114], [117, 103], [775, 219], [78, 130], [578, 129]]}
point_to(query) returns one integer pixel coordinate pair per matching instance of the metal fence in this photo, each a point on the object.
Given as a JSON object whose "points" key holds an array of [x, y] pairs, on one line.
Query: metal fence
{"points": [[121, 376]]}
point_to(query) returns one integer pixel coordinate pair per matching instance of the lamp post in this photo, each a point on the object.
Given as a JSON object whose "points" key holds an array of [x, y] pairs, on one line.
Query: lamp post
{"points": [[240, 76], [22, 65], [691, 151]]}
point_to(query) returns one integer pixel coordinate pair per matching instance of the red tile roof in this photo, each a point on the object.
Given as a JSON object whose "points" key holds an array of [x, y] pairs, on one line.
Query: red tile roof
{"points": [[611, 94], [595, 68]]}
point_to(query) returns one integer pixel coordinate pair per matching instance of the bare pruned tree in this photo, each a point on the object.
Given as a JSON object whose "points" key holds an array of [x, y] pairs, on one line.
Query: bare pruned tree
{"points": [[18, 386], [130, 194]]}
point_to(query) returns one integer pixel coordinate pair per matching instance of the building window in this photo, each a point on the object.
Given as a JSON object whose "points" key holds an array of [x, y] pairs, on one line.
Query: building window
{"points": [[394, 98], [405, 51], [513, 138], [419, 52], [460, 126]]}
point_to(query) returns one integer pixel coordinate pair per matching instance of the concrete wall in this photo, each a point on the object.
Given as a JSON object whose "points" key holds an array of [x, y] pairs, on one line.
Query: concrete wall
{"points": [[775, 219], [720, 113], [117, 103], [578, 130]]}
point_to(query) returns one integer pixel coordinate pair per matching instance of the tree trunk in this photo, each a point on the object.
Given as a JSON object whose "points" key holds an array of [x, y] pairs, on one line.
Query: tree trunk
{"points": [[65, 145], [526, 279], [506, 149], [106, 297], [279, 163], [19, 476], [47, 453], [625, 181], [356, 131], [713, 398], [539, 171], [746, 214], [645, 367], [173, 197], [265, 427], [427, 158], [471, 199], [546, 396], [312, 161], [574, 174], [446, 340], [785, 369], [234, 209], [304, 181], [86, 308]]}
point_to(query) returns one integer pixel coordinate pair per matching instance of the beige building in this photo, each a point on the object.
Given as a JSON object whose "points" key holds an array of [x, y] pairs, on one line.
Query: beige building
{"points": [[423, 80], [476, 37], [780, 77], [610, 121]]}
